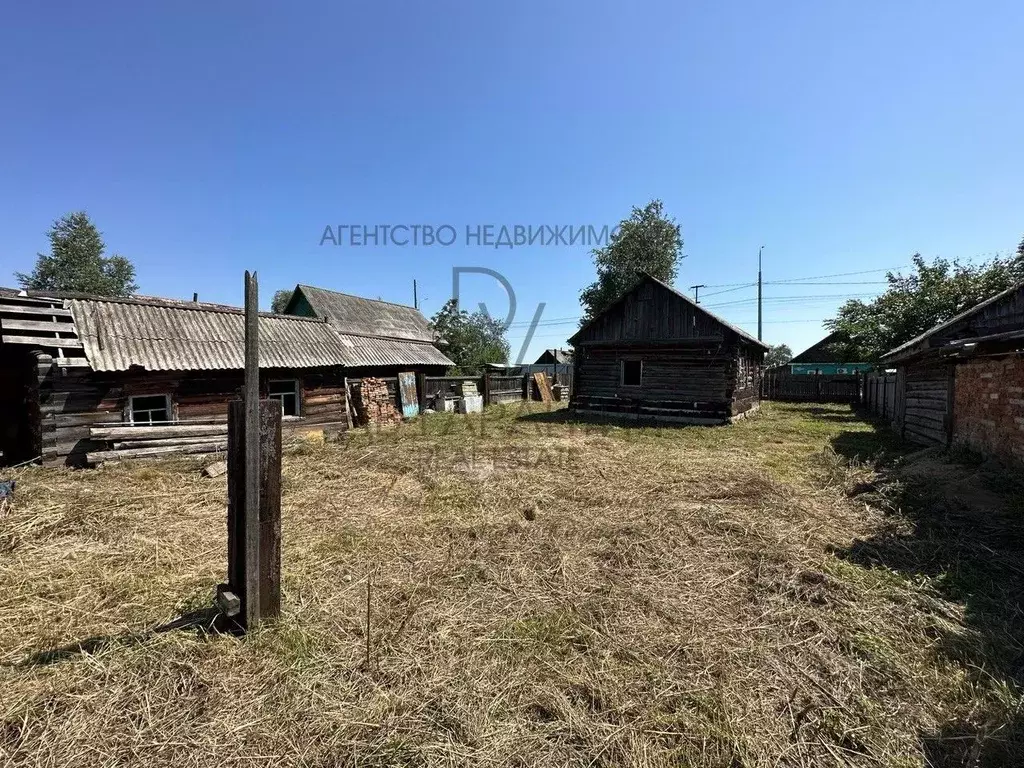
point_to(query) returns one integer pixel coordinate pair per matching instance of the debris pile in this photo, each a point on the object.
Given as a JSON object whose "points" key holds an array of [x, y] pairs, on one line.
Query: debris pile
{"points": [[374, 405]]}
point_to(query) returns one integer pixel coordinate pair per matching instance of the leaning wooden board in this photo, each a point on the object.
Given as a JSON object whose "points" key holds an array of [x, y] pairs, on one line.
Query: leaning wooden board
{"points": [[407, 394], [544, 388]]}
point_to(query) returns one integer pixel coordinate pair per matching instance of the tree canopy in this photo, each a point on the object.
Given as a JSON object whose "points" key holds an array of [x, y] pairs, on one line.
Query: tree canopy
{"points": [[279, 303], [471, 340], [778, 354], [76, 262], [912, 304], [648, 241]]}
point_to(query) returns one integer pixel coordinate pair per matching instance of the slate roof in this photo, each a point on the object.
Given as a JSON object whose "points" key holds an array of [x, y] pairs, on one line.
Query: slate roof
{"points": [[173, 335], [181, 336], [365, 317]]}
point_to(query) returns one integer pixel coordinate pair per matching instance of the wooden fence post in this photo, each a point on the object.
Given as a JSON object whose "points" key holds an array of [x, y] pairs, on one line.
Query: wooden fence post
{"points": [[486, 388], [526, 387], [253, 591]]}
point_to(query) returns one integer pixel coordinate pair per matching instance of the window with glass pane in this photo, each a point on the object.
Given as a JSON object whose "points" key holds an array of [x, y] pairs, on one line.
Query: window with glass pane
{"points": [[286, 391], [150, 409]]}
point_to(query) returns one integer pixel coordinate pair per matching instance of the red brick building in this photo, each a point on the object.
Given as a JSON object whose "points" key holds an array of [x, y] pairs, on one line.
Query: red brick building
{"points": [[962, 382]]}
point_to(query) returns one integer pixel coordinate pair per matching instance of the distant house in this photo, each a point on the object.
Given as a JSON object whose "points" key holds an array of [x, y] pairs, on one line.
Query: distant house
{"points": [[962, 382], [382, 338], [555, 357], [71, 361], [825, 358], [655, 353]]}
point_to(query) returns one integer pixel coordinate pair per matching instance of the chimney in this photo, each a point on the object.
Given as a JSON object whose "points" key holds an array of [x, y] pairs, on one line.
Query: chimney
{"points": [[195, 298]]}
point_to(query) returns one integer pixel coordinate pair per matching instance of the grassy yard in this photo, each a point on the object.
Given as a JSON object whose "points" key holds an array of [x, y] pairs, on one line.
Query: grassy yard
{"points": [[789, 590]]}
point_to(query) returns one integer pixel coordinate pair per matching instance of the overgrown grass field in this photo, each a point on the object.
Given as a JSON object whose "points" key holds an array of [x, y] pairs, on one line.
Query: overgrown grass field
{"points": [[788, 590]]}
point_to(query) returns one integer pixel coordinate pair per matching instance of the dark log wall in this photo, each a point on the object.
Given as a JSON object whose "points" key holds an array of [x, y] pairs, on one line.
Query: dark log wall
{"points": [[71, 400], [688, 383], [744, 389], [651, 313]]}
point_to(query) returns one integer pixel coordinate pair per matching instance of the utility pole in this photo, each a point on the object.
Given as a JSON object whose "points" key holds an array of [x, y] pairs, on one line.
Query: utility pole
{"points": [[696, 292], [759, 292], [415, 297]]}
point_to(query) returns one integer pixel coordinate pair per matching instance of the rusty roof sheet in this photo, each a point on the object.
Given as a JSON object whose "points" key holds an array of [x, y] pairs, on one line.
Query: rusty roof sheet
{"points": [[164, 336], [367, 317]]}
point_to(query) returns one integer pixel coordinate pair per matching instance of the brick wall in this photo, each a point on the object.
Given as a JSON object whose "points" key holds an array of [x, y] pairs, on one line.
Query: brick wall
{"points": [[989, 407]]}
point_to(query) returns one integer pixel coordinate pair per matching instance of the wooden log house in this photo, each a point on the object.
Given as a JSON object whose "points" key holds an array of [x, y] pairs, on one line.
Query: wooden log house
{"points": [[657, 354], [71, 362]]}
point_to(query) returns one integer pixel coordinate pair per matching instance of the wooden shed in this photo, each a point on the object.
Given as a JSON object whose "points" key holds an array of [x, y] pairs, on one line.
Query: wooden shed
{"points": [[70, 362], [655, 353], [963, 380]]}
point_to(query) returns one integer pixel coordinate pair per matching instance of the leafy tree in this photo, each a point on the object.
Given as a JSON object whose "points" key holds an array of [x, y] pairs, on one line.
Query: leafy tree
{"points": [[778, 354], [279, 303], [914, 303], [472, 340], [647, 241], [76, 262]]}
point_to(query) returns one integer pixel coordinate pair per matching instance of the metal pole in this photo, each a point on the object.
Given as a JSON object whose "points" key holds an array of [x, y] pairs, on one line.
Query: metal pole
{"points": [[759, 292], [696, 292], [415, 297], [252, 452]]}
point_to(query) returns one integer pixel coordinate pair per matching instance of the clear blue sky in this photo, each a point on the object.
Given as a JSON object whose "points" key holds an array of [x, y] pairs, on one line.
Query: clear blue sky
{"points": [[205, 139]]}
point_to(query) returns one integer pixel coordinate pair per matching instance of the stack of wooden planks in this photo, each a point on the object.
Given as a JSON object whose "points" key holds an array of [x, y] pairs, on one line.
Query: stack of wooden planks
{"points": [[142, 441]]}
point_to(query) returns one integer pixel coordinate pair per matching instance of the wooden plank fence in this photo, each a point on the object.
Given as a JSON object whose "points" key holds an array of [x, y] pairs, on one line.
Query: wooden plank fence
{"points": [[880, 395], [812, 389]]}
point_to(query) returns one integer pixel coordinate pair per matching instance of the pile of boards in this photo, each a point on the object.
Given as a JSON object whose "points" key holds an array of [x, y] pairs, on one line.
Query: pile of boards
{"points": [[142, 441], [374, 404]]}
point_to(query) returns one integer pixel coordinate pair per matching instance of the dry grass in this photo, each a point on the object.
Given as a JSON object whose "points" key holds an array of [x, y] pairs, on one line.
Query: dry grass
{"points": [[543, 593]]}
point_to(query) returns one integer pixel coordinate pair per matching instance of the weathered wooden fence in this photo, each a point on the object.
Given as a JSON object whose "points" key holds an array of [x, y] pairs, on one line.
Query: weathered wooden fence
{"points": [[880, 394], [811, 389], [495, 388]]}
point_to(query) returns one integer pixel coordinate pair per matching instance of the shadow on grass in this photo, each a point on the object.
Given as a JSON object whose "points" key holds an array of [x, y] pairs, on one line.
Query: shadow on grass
{"points": [[204, 621], [966, 534], [605, 422]]}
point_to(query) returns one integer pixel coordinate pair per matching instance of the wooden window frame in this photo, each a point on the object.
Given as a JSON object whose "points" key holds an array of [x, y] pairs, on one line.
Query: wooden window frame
{"points": [[167, 408], [296, 391], [622, 372]]}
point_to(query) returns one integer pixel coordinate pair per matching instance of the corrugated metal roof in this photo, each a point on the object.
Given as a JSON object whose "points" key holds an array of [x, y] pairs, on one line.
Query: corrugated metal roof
{"points": [[172, 336], [367, 351], [367, 317]]}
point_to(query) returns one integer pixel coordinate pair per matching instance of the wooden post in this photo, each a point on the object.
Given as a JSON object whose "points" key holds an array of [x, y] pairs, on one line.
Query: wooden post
{"points": [[253, 591], [526, 387], [487, 388]]}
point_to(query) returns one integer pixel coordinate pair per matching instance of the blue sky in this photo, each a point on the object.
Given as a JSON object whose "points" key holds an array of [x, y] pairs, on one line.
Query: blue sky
{"points": [[205, 139]]}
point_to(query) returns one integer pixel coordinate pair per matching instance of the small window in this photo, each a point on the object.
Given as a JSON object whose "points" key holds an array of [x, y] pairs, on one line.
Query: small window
{"points": [[632, 373], [287, 392], [150, 409]]}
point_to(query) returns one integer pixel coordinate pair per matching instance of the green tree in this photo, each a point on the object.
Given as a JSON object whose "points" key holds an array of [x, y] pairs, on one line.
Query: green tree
{"points": [[912, 304], [778, 354], [76, 262], [470, 340], [279, 303], [647, 241]]}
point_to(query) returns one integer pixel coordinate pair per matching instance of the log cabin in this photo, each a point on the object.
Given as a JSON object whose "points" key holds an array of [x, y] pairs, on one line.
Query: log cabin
{"points": [[70, 362], [656, 354]]}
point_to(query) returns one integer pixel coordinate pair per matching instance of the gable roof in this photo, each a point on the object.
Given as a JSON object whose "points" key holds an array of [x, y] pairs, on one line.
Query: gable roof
{"points": [[558, 356], [1002, 312], [650, 278], [820, 352], [357, 316], [157, 334]]}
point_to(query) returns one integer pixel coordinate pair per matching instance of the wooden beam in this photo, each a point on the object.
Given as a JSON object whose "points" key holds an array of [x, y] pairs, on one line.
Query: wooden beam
{"points": [[95, 457], [143, 433], [43, 341], [12, 309], [44, 326], [252, 452]]}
